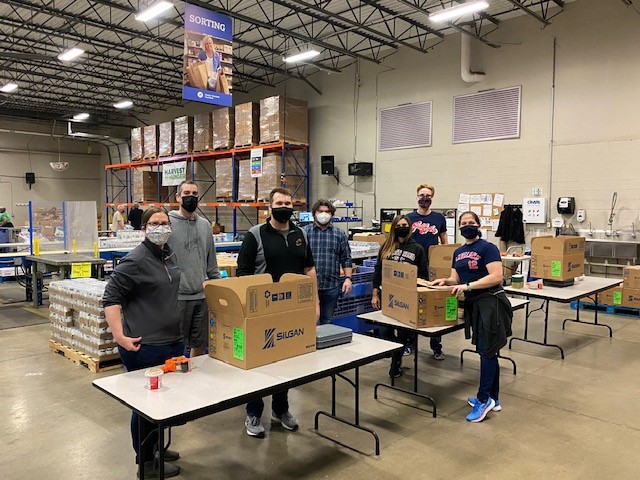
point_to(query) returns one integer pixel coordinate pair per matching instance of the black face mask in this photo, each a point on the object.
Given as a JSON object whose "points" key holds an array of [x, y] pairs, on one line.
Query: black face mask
{"points": [[469, 231], [190, 203], [282, 214], [424, 202], [402, 232]]}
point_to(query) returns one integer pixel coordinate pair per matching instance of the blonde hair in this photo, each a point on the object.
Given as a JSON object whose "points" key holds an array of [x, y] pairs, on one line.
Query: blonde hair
{"points": [[430, 187], [391, 243]]}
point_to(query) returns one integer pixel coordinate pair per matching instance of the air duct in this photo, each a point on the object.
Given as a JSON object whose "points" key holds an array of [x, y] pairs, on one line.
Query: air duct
{"points": [[466, 73]]}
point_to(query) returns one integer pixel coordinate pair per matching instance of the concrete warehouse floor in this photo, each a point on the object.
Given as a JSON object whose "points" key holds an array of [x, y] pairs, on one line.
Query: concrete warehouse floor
{"points": [[576, 418]]}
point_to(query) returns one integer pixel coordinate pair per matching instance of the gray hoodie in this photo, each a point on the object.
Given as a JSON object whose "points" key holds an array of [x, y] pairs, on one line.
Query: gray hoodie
{"points": [[192, 243]]}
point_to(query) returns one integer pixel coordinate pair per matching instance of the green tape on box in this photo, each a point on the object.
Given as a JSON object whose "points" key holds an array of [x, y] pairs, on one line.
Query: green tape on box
{"points": [[617, 298], [451, 310], [238, 344], [556, 268]]}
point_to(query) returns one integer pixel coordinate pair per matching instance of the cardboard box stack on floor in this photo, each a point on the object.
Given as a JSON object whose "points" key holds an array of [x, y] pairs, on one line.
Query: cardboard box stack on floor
{"points": [[165, 139], [284, 119], [137, 142], [419, 307], [630, 288], [256, 322], [150, 146], [611, 296], [440, 260], [273, 176], [224, 128], [183, 135], [77, 317], [247, 120], [557, 258]]}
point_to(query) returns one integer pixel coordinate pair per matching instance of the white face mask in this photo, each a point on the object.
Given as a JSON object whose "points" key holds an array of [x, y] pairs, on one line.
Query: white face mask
{"points": [[158, 235], [323, 217]]}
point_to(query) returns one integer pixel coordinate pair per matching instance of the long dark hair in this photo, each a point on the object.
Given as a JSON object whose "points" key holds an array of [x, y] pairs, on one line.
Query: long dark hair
{"points": [[391, 243]]}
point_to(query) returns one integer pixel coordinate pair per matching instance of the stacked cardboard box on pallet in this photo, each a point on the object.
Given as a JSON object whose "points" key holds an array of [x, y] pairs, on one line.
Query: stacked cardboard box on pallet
{"points": [[284, 119], [145, 186], [246, 183], [165, 139], [202, 132], [224, 178], [224, 128], [137, 142], [77, 317], [273, 176], [557, 258], [183, 135], [150, 146], [630, 288], [50, 221], [247, 120]]}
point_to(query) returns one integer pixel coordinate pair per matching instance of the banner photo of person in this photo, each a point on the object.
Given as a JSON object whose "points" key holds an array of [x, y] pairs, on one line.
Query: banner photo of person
{"points": [[207, 74]]}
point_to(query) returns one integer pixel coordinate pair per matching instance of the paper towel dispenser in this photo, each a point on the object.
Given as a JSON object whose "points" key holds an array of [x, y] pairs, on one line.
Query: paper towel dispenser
{"points": [[566, 205]]}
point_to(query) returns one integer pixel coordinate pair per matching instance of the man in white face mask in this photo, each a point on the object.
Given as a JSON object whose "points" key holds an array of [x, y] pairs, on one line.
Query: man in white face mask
{"points": [[330, 248]]}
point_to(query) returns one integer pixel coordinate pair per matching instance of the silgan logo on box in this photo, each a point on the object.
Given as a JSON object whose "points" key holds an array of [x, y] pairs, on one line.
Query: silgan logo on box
{"points": [[271, 336], [393, 303]]}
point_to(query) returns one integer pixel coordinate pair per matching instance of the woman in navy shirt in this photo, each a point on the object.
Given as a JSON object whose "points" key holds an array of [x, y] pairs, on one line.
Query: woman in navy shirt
{"points": [[477, 272]]}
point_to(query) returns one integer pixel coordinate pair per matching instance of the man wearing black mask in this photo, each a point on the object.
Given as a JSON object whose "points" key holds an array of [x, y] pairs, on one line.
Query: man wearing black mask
{"points": [[192, 242], [275, 247]]}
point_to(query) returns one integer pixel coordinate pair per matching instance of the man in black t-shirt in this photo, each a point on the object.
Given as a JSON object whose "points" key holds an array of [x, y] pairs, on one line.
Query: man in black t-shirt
{"points": [[135, 217]]}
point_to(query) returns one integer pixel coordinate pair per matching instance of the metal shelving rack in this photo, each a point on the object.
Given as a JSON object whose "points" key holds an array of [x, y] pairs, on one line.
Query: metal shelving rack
{"points": [[116, 186]]}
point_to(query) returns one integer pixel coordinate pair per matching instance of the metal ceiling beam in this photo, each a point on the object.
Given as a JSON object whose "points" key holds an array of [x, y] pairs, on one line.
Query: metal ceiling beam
{"points": [[530, 12], [484, 15], [376, 5]]}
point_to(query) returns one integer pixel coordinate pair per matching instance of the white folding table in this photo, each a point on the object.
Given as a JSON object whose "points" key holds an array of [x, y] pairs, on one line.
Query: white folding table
{"points": [[587, 287], [213, 386]]}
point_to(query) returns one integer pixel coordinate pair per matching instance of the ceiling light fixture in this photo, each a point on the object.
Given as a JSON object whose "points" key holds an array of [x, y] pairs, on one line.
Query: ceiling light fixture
{"points": [[9, 87], [458, 11], [70, 54], [81, 116], [154, 10], [301, 56], [123, 104]]}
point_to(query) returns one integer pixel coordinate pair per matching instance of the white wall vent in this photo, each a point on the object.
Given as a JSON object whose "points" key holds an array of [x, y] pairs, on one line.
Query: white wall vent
{"points": [[405, 126], [491, 115]]}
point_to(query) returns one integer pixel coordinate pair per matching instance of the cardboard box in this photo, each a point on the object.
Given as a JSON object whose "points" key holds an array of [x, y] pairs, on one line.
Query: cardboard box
{"points": [[224, 178], [247, 124], [631, 277], [182, 135], [418, 307], [224, 128], [202, 132], [150, 144], [439, 272], [145, 186], [370, 237], [611, 296], [246, 183], [557, 258], [631, 297], [137, 144], [273, 176], [284, 119], [257, 322], [165, 139], [440, 260]]}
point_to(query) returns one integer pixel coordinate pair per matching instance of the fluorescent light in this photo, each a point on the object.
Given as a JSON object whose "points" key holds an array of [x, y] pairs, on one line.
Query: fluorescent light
{"points": [[81, 116], [154, 10], [123, 104], [70, 54], [299, 57], [458, 11], [9, 87]]}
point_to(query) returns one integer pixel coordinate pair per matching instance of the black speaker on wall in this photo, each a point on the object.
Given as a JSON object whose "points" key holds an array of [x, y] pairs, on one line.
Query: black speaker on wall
{"points": [[30, 177], [327, 164]]}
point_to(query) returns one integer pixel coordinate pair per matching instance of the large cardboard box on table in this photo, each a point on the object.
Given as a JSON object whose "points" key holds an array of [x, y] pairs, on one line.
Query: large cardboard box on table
{"points": [[557, 258], [370, 237], [440, 260], [419, 307], [256, 322]]}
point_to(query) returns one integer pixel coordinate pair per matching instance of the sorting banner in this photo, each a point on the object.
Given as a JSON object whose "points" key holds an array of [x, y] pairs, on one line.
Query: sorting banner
{"points": [[207, 60]]}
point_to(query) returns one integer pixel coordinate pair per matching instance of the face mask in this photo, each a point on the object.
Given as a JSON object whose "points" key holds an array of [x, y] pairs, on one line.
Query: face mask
{"points": [[424, 202], [402, 232], [323, 217], [469, 231], [190, 203], [158, 235], [282, 214]]}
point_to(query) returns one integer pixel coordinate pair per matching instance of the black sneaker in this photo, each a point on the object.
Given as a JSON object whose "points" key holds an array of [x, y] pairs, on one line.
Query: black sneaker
{"points": [[151, 470], [395, 371]]}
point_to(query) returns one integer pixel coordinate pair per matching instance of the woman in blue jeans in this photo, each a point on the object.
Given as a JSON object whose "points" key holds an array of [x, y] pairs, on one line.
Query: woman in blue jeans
{"points": [[477, 271], [140, 304]]}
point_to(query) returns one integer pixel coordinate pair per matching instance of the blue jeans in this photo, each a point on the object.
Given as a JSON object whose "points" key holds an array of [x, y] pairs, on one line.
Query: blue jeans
{"points": [[147, 356], [489, 370], [328, 301]]}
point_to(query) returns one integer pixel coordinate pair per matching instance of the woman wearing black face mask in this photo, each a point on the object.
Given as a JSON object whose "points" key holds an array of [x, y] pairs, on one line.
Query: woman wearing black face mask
{"points": [[399, 247], [477, 271]]}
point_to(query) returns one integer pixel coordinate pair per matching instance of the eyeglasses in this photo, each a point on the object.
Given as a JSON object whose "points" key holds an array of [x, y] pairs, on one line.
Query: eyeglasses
{"points": [[158, 224]]}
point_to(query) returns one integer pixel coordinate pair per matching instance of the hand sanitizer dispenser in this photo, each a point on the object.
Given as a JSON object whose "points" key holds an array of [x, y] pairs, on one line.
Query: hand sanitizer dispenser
{"points": [[581, 216]]}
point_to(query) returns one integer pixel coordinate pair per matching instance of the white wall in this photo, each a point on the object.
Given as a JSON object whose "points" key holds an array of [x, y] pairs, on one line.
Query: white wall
{"points": [[32, 153], [596, 141]]}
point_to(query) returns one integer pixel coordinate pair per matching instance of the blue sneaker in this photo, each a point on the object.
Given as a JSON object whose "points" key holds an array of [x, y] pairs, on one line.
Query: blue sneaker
{"points": [[480, 411], [473, 400]]}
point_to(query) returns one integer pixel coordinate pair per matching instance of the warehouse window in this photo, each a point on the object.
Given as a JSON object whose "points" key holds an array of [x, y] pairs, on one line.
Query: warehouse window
{"points": [[490, 115], [405, 126]]}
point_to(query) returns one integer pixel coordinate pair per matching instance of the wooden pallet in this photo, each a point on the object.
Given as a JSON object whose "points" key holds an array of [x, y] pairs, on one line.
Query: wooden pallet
{"points": [[246, 145], [609, 309], [289, 142], [224, 199], [96, 365], [149, 158]]}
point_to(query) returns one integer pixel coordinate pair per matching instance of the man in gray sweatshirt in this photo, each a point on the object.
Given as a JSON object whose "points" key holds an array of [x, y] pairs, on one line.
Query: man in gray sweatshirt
{"points": [[192, 242]]}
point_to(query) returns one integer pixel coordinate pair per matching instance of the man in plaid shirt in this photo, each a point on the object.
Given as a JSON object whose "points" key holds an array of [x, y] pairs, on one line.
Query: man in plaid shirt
{"points": [[330, 248]]}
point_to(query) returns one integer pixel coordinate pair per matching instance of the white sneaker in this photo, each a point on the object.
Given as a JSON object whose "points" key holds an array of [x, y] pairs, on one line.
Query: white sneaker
{"points": [[287, 420], [254, 427]]}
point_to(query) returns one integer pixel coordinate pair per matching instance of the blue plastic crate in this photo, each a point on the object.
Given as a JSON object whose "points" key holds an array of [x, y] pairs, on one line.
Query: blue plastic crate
{"points": [[364, 269], [354, 323], [369, 262]]}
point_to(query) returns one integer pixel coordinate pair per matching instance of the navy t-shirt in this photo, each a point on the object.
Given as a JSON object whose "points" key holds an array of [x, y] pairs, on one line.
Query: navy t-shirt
{"points": [[470, 262], [426, 229]]}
